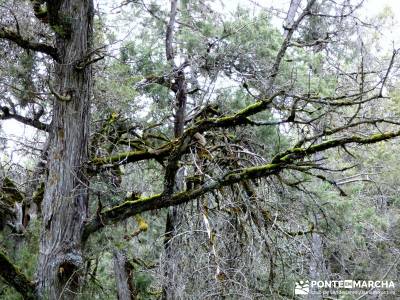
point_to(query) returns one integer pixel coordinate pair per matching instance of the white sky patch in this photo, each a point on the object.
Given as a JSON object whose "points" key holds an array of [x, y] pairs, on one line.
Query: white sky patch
{"points": [[370, 9], [18, 134]]}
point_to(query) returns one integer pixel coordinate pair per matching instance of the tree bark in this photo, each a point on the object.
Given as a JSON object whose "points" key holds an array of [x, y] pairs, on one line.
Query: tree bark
{"points": [[171, 288], [123, 276], [65, 200], [174, 176], [317, 267], [317, 264]]}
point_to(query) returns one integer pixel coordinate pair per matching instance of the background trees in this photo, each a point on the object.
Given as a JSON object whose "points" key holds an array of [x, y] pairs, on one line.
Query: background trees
{"points": [[199, 153]]}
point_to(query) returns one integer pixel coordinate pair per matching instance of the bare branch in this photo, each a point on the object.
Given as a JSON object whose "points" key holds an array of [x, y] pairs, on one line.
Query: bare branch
{"points": [[15, 37], [388, 71], [286, 42], [27, 121]]}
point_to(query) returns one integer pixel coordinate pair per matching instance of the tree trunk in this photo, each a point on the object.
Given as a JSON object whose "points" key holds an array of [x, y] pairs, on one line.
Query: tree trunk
{"points": [[65, 200], [123, 276], [173, 259], [317, 265], [172, 288]]}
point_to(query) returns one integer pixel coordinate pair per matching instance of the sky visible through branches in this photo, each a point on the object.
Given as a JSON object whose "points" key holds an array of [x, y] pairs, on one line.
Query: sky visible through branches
{"points": [[16, 131]]}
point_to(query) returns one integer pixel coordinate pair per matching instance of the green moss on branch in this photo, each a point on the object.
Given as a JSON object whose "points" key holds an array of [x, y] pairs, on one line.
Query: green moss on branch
{"points": [[133, 156], [130, 208], [296, 153], [279, 162], [15, 278], [9, 192], [181, 145]]}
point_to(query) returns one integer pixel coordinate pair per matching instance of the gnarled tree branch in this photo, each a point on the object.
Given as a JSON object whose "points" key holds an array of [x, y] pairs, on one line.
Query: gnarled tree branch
{"points": [[181, 145], [27, 121], [13, 36], [280, 162]]}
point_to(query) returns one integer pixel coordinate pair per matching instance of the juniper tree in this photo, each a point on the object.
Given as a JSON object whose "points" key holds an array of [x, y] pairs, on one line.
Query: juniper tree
{"points": [[232, 111]]}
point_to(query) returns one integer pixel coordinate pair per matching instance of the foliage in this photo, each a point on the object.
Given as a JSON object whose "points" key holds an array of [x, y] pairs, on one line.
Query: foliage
{"points": [[285, 169]]}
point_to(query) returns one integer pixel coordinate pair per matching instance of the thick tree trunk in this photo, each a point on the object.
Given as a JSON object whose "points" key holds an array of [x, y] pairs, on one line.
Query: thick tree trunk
{"points": [[65, 200]]}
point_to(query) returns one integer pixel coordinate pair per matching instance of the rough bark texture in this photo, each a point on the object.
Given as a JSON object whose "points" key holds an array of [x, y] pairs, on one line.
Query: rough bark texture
{"points": [[11, 200], [290, 17], [65, 200], [172, 244], [317, 266], [174, 176], [123, 276]]}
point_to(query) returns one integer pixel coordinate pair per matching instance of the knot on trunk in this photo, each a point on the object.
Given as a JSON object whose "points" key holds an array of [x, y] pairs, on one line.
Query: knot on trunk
{"points": [[68, 270]]}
